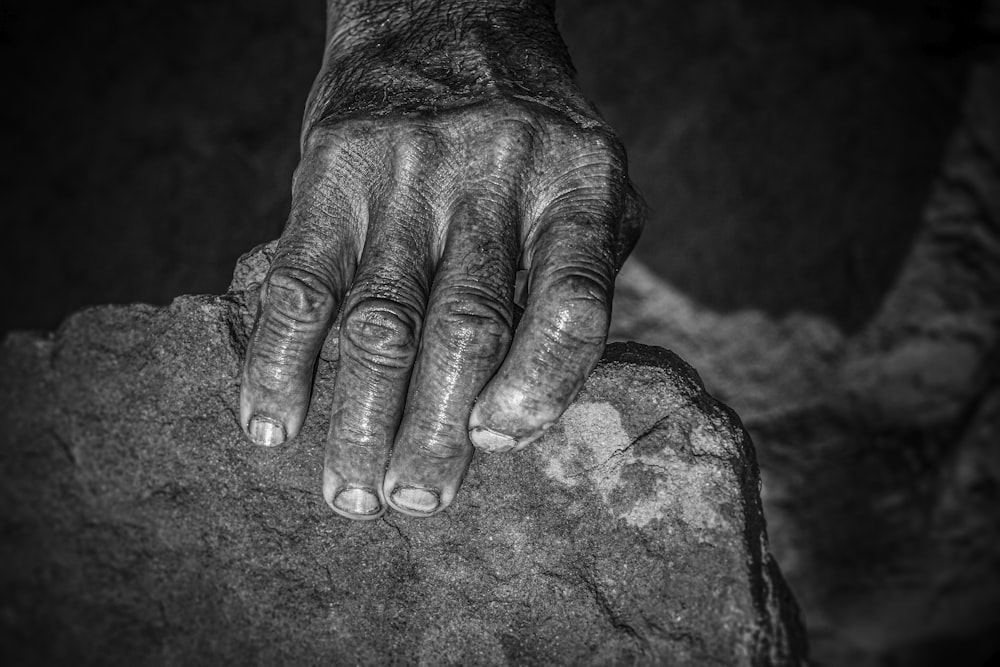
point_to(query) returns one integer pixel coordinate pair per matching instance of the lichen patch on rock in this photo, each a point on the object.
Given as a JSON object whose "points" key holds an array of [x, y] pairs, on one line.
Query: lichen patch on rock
{"points": [[598, 448]]}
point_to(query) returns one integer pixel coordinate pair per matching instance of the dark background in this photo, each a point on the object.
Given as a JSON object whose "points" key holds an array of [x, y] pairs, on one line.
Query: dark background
{"points": [[785, 148]]}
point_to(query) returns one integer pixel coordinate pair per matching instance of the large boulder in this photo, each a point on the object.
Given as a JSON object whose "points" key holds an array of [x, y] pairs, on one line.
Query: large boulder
{"points": [[141, 527]]}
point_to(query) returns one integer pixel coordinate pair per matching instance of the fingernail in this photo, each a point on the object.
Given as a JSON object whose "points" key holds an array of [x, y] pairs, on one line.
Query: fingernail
{"points": [[267, 432], [358, 501], [414, 499], [490, 441]]}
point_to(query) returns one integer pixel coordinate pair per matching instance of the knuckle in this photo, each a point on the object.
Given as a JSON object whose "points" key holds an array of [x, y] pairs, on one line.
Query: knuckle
{"points": [[586, 284], [514, 126], [330, 137], [299, 294], [471, 321], [417, 150], [607, 147], [337, 155], [319, 140], [324, 144], [581, 299], [592, 160], [586, 332], [508, 124], [383, 331]]}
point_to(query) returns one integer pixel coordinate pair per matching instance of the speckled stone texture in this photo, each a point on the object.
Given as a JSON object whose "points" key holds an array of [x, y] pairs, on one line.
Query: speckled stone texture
{"points": [[140, 527]]}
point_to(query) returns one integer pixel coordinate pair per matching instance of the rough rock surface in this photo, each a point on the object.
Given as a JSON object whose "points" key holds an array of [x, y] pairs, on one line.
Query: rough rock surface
{"points": [[140, 527]]}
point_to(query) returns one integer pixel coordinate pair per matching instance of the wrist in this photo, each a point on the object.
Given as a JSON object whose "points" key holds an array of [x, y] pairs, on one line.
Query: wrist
{"points": [[385, 56], [360, 21]]}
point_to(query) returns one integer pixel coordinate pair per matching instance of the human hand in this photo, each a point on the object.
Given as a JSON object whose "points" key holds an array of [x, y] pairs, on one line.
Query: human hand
{"points": [[445, 145]]}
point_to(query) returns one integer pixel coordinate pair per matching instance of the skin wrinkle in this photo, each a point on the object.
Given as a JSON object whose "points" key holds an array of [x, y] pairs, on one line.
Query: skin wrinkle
{"points": [[488, 254], [403, 295], [381, 332], [334, 171], [550, 357], [369, 421], [585, 219], [488, 169], [577, 285], [308, 245], [303, 295], [282, 379], [455, 367], [360, 421], [397, 237], [381, 335], [353, 146], [279, 322], [282, 356], [595, 203], [490, 328]]}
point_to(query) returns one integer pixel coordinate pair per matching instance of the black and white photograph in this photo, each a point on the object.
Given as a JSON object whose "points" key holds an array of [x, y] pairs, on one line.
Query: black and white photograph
{"points": [[500, 332]]}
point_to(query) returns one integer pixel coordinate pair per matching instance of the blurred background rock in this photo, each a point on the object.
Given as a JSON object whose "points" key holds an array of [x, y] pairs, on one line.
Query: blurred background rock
{"points": [[824, 185]]}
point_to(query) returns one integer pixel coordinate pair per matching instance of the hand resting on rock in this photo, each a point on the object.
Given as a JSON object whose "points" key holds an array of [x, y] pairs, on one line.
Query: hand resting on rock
{"points": [[445, 146]]}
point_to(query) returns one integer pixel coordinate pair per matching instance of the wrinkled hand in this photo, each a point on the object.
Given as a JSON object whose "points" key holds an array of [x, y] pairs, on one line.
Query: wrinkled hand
{"points": [[429, 176]]}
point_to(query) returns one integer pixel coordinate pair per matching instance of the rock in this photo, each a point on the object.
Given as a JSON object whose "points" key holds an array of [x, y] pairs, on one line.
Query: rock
{"points": [[140, 527]]}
